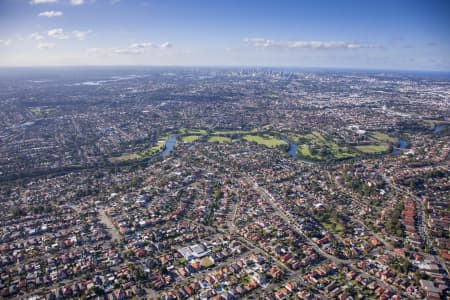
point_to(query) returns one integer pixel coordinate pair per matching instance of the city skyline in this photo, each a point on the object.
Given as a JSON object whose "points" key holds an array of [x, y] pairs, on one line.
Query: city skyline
{"points": [[404, 35]]}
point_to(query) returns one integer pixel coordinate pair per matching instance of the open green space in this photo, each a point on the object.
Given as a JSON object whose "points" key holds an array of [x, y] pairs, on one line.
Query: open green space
{"points": [[333, 226], [191, 131], [331, 220], [219, 139], [41, 112], [373, 149], [383, 137], [230, 132], [158, 147], [189, 138], [293, 137], [313, 145], [265, 140], [303, 150], [317, 147], [125, 157]]}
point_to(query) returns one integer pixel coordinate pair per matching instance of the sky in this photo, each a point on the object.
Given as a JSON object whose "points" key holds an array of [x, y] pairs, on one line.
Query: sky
{"points": [[353, 34]]}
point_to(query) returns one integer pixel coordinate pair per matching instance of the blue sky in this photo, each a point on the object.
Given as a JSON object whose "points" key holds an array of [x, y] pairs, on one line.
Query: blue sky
{"points": [[381, 34]]}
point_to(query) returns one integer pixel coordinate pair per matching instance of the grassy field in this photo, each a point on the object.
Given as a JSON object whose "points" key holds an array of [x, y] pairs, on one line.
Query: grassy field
{"points": [[315, 136], [373, 149], [383, 137], [158, 147], [219, 139], [313, 145], [331, 221], [334, 226], [230, 132], [293, 137], [317, 147], [303, 150], [266, 140], [41, 112], [190, 138], [192, 131], [189, 135], [125, 157]]}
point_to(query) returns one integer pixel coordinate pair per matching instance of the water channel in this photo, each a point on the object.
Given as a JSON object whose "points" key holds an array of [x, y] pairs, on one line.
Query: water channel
{"points": [[437, 128], [401, 145], [291, 150], [168, 147]]}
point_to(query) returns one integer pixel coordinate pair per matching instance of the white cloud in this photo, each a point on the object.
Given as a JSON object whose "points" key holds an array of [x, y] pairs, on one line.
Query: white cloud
{"points": [[51, 14], [165, 45], [42, 1], [132, 49], [5, 42], [140, 45], [140, 48], [104, 52], [81, 35], [46, 46], [77, 2], [57, 33], [35, 36], [266, 43]]}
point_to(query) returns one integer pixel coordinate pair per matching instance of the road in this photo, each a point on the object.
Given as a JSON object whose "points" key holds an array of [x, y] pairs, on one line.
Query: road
{"points": [[349, 262], [422, 225]]}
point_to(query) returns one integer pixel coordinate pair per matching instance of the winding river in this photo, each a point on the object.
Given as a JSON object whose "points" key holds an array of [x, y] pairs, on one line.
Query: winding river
{"points": [[168, 147], [401, 145], [437, 128]]}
